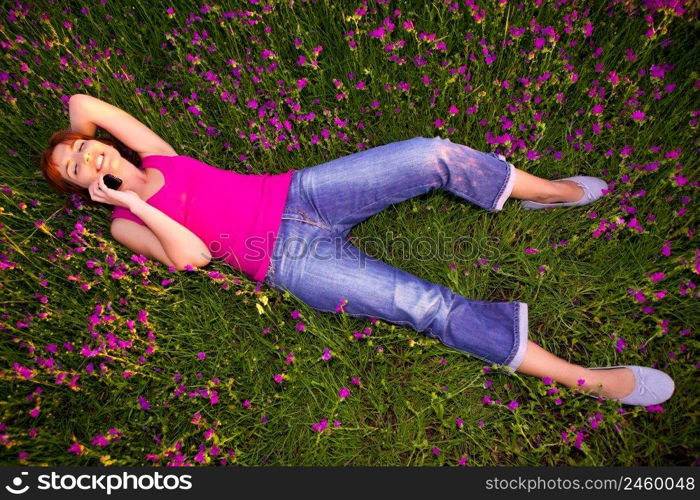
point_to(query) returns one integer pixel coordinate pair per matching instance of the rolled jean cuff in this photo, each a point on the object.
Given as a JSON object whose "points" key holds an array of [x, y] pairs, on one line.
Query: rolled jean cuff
{"points": [[521, 338], [508, 188]]}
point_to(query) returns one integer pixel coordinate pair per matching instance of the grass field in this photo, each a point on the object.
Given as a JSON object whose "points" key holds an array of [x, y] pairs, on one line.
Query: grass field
{"points": [[108, 358]]}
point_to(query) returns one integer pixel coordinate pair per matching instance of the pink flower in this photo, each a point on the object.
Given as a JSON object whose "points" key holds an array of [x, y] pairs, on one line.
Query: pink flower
{"points": [[453, 110], [344, 393], [144, 404], [279, 378], [213, 397], [657, 277], [666, 249], [512, 405], [378, 33], [656, 72], [680, 180], [638, 115], [201, 355], [326, 355], [320, 426], [76, 448], [620, 345], [436, 451], [100, 440]]}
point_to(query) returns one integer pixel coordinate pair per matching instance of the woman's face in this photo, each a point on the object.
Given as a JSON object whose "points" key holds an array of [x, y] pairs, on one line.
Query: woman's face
{"points": [[83, 161]]}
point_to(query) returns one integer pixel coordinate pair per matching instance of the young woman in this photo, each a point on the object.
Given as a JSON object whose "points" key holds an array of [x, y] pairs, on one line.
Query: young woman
{"points": [[290, 230]]}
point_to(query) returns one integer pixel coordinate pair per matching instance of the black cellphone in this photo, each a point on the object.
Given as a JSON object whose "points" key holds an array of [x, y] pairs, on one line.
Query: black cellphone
{"points": [[112, 181]]}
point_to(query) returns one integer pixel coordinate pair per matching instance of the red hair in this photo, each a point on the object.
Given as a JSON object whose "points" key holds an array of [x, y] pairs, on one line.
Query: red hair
{"points": [[50, 170]]}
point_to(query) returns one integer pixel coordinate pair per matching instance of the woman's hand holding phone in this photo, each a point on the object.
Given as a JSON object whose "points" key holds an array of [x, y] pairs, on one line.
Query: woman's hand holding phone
{"points": [[101, 193]]}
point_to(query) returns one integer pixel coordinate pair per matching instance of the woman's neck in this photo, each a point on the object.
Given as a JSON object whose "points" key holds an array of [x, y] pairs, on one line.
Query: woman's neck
{"points": [[134, 178]]}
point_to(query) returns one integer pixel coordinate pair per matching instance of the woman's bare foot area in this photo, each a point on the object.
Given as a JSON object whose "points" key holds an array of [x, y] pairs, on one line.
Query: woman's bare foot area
{"points": [[614, 383]]}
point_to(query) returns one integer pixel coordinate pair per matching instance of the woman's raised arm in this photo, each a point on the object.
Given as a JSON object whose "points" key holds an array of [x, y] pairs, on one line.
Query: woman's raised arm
{"points": [[87, 113]]}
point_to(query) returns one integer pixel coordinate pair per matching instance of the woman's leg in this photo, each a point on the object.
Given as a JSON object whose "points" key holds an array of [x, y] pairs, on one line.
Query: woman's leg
{"points": [[613, 383], [533, 188], [343, 192], [323, 270], [346, 191]]}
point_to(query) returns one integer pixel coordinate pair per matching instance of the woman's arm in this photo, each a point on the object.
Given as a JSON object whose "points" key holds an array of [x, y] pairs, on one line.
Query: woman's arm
{"points": [[79, 120], [87, 113], [181, 245]]}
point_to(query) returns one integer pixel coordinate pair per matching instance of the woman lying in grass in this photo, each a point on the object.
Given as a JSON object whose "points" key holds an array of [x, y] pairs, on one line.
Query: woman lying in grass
{"points": [[290, 230]]}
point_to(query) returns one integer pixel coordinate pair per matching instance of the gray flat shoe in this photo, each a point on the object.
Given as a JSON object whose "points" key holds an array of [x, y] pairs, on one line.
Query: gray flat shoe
{"points": [[592, 190], [652, 386]]}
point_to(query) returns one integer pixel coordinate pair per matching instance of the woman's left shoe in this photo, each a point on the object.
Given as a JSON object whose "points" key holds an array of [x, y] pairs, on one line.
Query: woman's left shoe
{"points": [[652, 386], [592, 190]]}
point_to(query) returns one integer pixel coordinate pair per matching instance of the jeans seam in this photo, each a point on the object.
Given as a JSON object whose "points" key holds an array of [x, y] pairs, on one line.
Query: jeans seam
{"points": [[308, 220], [503, 186], [516, 335], [521, 325]]}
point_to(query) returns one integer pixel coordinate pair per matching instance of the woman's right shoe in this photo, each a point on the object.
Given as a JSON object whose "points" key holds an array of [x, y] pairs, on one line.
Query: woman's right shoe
{"points": [[592, 190], [652, 386]]}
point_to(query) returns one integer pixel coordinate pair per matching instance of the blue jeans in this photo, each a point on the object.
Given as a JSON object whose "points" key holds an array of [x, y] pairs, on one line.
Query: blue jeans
{"points": [[313, 260]]}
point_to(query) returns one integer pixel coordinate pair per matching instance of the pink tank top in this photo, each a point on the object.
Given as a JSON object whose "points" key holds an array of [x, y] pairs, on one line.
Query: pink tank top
{"points": [[236, 215]]}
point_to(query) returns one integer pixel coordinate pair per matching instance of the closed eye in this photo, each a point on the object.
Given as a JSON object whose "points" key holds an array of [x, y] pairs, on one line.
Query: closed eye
{"points": [[75, 168]]}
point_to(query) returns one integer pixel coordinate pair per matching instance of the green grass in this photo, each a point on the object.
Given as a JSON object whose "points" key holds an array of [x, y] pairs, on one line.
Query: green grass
{"points": [[412, 389]]}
